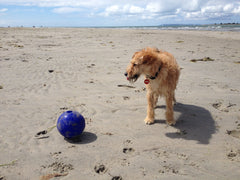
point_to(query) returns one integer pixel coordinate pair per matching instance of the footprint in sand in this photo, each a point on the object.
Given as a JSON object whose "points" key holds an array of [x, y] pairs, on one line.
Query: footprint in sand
{"points": [[217, 105], [59, 167], [128, 150], [234, 133], [100, 169], [221, 107], [126, 98], [117, 178], [234, 155], [168, 169]]}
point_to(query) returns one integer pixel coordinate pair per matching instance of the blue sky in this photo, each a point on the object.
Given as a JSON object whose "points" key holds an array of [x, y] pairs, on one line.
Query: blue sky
{"points": [[116, 12]]}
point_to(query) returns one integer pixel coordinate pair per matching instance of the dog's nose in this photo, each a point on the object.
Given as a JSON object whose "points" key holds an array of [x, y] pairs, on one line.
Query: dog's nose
{"points": [[126, 74]]}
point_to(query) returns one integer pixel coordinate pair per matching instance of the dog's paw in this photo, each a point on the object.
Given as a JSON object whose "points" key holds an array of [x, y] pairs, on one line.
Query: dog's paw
{"points": [[149, 121], [171, 123]]}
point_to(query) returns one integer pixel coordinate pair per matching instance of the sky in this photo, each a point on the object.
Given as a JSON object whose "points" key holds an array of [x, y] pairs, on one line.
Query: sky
{"points": [[82, 13]]}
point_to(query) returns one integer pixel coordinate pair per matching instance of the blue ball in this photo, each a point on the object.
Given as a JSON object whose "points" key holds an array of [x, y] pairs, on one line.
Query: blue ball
{"points": [[71, 124]]}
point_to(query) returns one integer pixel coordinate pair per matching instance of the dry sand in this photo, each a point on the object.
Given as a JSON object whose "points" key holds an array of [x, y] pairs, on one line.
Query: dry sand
{"points": [[46, 71]]}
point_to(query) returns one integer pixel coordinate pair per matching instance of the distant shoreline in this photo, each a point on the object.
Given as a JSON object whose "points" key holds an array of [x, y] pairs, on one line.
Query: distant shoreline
{"points": [[189, 27]]}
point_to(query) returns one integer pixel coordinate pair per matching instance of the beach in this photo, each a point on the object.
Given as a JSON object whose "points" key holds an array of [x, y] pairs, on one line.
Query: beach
{"points": [[46, 71]]}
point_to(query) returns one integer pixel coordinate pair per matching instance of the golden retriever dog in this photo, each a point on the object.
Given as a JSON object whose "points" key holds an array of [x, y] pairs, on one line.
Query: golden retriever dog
{"points": [[161, 73]]}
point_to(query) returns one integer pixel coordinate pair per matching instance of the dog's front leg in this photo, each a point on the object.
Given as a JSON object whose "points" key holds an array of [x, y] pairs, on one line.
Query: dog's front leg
{"points": [[150, 109], [155, 100]]}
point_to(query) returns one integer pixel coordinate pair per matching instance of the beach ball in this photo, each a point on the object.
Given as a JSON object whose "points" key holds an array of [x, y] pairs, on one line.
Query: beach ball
{"points": [[71, 124]]}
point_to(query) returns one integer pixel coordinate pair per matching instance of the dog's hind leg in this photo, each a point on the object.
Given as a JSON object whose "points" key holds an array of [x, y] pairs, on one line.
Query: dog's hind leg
{"points": [[169, 109], [150, 109], [174, 99]]}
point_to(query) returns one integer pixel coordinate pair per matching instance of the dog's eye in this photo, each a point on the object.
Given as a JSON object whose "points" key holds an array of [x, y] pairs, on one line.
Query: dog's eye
{"points": [[134, 64]]}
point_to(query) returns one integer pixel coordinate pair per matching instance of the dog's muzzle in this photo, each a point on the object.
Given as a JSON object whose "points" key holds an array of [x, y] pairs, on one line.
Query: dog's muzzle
{"points": [[126, 74], [133, 78]]}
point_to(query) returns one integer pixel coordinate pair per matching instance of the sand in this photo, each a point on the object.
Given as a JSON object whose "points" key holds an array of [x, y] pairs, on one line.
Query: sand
{"points": [[46, 71]]}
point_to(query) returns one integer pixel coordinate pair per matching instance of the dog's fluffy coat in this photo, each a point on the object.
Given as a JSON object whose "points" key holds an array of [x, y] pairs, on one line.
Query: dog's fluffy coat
{"points": [[163, 72]]}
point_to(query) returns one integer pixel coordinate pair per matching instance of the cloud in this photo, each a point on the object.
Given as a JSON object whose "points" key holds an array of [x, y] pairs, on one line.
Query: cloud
{"points": [[228, 7], [135, 10], [56, 3], [213, 11], [112, 10], [64, 10], [236, 10], [192, 5], [153, 7], [122, 10], [3, 10], [138, 10]]}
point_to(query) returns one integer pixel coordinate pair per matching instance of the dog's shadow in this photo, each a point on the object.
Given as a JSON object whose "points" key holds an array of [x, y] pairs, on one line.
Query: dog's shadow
{"points": [[194, 123]]}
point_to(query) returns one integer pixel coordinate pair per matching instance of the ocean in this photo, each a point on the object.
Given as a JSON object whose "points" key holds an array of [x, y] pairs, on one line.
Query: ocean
{"points": [[209, 27], [191, 27], [212, 27]]}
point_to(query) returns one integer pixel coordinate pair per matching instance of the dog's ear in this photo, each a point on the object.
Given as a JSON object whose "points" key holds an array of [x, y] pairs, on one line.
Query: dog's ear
{"points": [[134, 55], [148, 59]]}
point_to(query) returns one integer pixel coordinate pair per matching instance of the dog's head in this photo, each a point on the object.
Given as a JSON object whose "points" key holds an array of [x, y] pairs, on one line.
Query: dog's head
{"points": [[141, 63]]}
